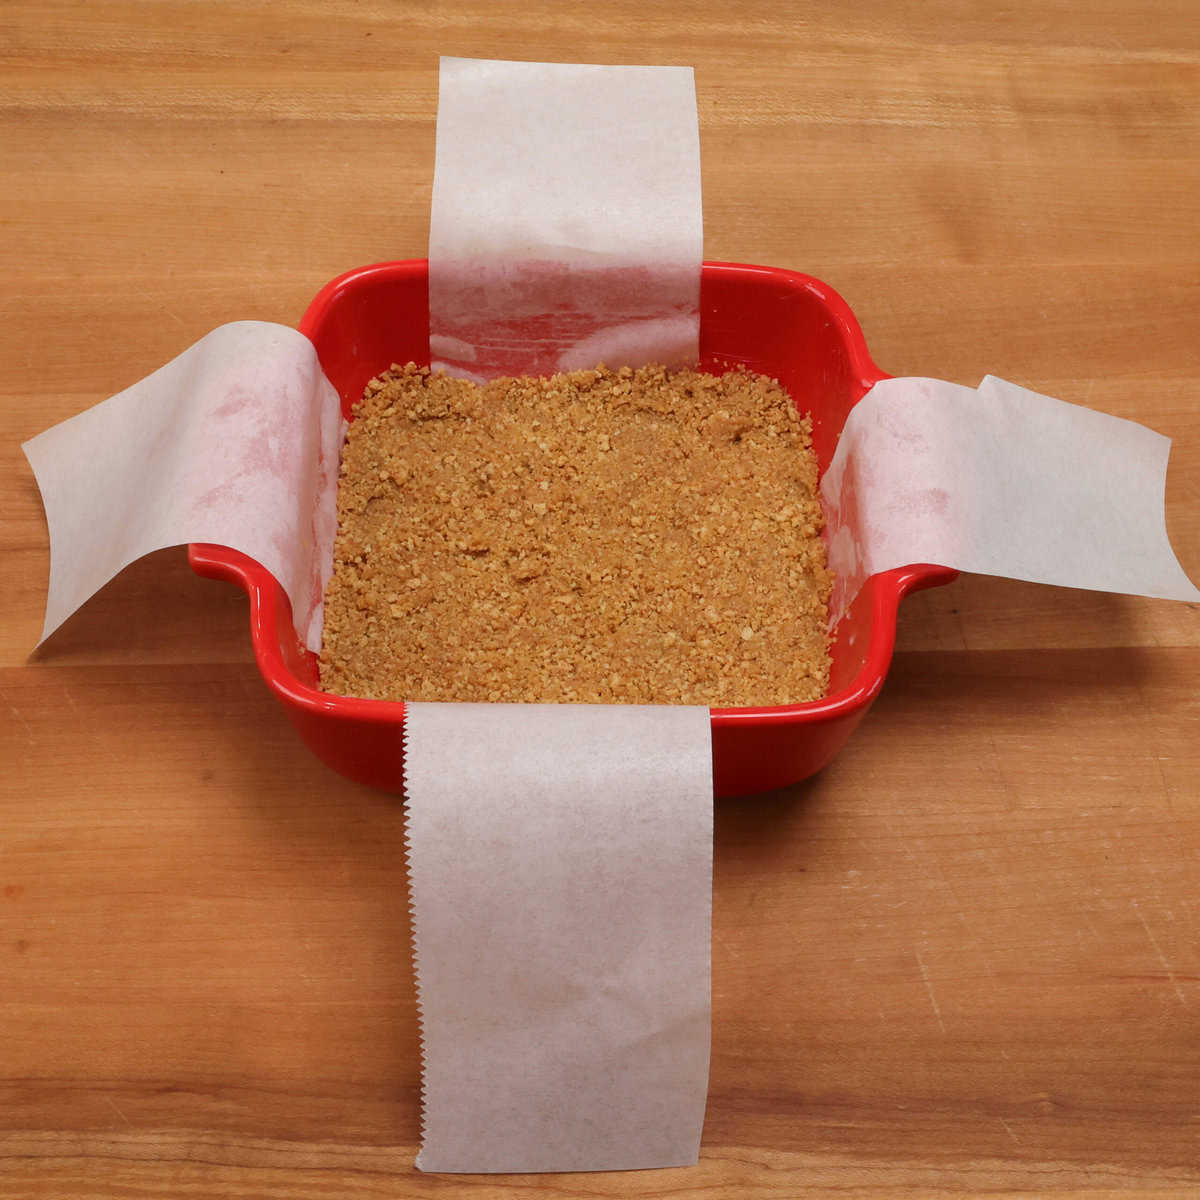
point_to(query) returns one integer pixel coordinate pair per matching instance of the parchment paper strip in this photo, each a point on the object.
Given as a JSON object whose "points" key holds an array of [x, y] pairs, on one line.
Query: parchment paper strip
{"points": [[560, 859], [567, 227], [234, 442], [998, 480]]}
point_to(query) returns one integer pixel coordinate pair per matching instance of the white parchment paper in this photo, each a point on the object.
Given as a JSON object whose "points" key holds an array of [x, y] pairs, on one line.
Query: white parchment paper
{"points": [[567, 227], [560, 859], [998, 480], [234, 442]]}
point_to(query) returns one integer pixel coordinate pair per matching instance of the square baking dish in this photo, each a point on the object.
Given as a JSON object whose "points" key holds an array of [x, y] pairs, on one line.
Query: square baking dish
{"points": [[780, 323]]}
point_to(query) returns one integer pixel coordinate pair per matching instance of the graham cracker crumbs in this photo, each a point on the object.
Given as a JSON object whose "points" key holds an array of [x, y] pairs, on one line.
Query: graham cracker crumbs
{"points": [[617, 537]]}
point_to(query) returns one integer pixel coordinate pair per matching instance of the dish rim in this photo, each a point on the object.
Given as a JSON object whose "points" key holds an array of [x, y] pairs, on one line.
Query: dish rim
{"points": [[890, 587]]}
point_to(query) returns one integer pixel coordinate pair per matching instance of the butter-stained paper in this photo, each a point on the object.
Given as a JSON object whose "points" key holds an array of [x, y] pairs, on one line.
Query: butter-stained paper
{"points": [[998, 480], [234, 442], [560, 860], [566, 227]]}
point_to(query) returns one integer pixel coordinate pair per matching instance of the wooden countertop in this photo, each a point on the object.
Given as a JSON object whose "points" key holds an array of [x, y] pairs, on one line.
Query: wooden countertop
{"points": [[965, 960]]}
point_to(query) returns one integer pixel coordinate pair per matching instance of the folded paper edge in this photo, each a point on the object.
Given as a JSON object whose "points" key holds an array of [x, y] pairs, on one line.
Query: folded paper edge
{"points": [[308, 628], [843, 600]]}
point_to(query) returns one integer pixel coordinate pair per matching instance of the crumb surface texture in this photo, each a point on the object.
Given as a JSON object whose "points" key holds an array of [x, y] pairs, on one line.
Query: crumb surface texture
{"points": [[644, 536]]}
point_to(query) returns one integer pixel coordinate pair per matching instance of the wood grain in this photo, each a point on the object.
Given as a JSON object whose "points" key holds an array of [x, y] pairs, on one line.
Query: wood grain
{"points": [[965, 960]]}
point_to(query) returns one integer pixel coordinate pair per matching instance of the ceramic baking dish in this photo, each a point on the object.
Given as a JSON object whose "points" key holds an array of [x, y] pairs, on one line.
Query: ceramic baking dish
{"points": [[781, 323]]}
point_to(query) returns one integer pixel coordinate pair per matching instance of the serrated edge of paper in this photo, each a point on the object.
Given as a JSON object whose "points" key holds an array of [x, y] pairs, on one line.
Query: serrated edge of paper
{"points": [[414, 940]]}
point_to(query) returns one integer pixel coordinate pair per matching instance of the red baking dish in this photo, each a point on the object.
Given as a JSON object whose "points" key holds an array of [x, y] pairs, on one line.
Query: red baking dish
{"points": [[781, 323]]}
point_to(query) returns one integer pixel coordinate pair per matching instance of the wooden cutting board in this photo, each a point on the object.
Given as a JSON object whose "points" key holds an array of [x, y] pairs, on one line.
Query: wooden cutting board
{"points": [[963, 961]]}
